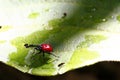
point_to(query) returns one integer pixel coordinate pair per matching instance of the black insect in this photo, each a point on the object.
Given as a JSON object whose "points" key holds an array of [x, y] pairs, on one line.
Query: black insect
{"points": [[59, 65], [64, 15]]}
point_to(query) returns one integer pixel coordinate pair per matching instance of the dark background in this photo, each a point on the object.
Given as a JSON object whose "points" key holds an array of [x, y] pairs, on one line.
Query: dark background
{"points": [[99, 71]]}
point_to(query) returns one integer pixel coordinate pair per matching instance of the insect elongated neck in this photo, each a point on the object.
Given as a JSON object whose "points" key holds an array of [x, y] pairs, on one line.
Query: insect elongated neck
{"points": [[31, 45]]}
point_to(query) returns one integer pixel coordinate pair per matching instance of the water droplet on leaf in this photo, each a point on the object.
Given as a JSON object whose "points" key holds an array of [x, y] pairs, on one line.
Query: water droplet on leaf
{"points": [[93, 9], [104, 20], [91, 16], [112, 17]]}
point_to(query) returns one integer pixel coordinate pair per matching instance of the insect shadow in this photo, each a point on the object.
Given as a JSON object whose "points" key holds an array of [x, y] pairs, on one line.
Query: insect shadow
{"points": [[34, 60]]}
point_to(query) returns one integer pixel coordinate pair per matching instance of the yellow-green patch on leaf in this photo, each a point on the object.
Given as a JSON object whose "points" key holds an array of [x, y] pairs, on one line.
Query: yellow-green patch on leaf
{"points": [[80, 56], [33, 15], [45, 70], [5, 28]]}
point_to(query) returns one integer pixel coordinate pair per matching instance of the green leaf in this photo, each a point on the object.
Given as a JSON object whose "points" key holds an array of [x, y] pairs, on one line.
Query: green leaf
{"points": [[87, 34]]}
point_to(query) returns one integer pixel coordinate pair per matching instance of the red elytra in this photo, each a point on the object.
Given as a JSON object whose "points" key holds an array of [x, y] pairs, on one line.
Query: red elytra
{"points": [[46, 48]]}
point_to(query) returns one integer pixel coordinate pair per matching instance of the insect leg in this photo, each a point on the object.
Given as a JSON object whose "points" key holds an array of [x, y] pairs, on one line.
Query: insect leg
{"points": [[43, 54], [34, 50], [54, 55]]}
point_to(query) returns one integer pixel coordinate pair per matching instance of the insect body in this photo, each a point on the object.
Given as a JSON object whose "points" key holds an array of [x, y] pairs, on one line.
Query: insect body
{"points": [[64, 15], [46, 48], [61, 64], [42, 48]]}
